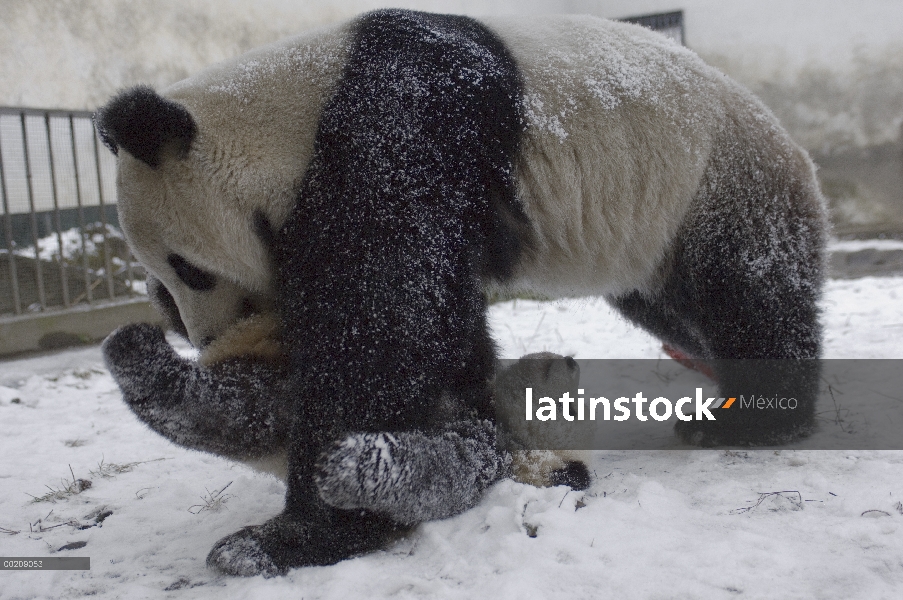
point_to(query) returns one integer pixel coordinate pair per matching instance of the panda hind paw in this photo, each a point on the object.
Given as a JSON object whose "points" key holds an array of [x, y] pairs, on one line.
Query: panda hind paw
{"points": [[574, 474], [285, 542], [241, 554]]}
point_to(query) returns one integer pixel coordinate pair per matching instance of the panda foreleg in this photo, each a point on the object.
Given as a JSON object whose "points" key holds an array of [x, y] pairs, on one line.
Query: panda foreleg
{"points": [[239, 409], [411, 476]]}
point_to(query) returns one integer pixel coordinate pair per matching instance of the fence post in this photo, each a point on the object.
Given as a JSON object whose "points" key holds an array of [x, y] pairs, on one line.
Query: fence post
{"points": [[107, 263], [89, 290], [8, 231], [64, 281], [39, 275]]}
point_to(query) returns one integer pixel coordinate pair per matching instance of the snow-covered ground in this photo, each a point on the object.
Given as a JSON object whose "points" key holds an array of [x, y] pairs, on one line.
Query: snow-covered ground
{"points": [[668, 524]]}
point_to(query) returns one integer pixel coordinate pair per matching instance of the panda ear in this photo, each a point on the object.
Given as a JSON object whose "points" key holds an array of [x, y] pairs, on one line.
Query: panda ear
{"points": [[146, 125]]}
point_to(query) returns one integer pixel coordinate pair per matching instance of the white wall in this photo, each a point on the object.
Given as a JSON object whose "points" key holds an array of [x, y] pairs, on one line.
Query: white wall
{"points": [[831, 69]]}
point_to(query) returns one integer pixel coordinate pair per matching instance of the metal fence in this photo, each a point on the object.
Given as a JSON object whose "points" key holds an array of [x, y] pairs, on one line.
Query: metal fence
{"points": [[59, 241], [670, 24]]}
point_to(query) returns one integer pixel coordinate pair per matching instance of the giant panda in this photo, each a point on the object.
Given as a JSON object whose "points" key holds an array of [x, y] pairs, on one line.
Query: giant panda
{"points": [[367, 183]]}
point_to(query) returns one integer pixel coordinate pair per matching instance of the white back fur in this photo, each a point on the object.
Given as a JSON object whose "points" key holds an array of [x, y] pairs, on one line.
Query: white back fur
{"points": [[622, 123]]}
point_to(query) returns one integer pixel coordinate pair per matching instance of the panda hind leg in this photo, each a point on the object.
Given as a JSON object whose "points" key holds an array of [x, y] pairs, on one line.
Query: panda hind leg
{"points": [[655, 315], [754, 306], [761, 345], [757, 337], [320, 536]]}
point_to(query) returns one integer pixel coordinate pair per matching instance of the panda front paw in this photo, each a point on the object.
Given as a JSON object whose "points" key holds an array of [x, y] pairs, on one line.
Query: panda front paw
{"points": [[243, 555], [133, 346], [146, 368], [137, 354]]}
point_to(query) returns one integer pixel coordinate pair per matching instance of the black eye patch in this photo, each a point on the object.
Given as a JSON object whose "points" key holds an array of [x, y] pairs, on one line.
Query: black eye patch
{"points": [[264, 229], [193, 277], [163, 301]]}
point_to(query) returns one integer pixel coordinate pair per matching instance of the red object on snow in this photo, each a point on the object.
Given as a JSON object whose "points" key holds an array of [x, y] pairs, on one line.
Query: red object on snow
{"points": [[689, 362]]}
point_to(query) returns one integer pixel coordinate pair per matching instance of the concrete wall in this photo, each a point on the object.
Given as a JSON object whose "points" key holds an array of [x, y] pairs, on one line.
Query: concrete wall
{"points": [[832, 70], [52, 330]]}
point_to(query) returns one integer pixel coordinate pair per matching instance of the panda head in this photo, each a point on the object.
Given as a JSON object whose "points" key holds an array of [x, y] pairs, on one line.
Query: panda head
{"points": [[192, 209]]}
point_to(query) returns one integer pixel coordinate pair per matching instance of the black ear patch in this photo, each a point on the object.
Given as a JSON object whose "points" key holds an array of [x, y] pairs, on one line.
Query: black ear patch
{"points": [[264, 229], [145, 124]]}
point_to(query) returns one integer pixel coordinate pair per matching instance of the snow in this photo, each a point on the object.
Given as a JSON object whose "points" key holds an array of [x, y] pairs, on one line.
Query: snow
{"points": [[675, 524], [75, 243], [869, 244]]}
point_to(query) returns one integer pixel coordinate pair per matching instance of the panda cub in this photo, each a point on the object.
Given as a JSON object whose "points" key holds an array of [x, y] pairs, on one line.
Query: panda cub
{"points": [[367, 183], [237, 401]]}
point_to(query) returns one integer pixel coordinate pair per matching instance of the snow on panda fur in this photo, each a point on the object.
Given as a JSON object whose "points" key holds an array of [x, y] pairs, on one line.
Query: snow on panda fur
{"points": [[368, 182], [248, 362], [241, 407]]}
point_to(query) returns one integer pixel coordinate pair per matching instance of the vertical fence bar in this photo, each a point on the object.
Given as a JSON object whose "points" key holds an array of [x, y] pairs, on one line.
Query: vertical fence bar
{"points": [[103, 222], [61, 261], [130, 274], [42, 297], [53, 208], [8, 231], [89, 289]]}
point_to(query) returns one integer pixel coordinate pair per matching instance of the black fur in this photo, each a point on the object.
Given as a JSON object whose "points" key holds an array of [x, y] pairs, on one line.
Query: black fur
{"points": [[328, 536], [145, 125], [574, 474], [405, 208], [240, 409], [411, 476], [264, 229], [194, 277], [165, 304], [741, 292]]}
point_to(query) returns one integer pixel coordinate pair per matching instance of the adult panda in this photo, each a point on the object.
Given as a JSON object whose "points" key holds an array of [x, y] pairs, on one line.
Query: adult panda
{"points": [[368, 182]]}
